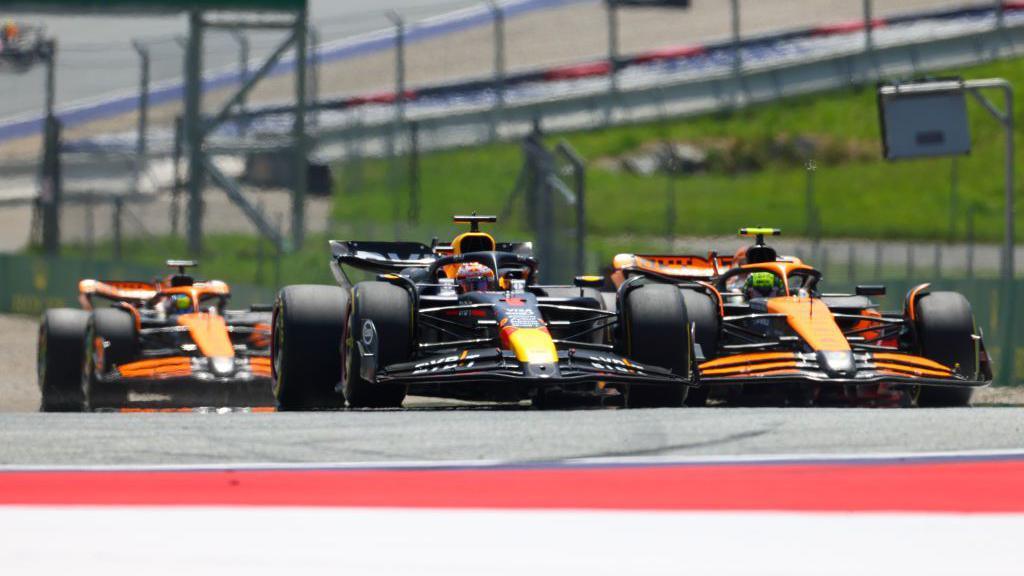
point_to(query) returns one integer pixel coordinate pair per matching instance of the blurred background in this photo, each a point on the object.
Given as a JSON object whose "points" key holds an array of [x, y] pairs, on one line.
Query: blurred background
{"points": [[249, 137]]}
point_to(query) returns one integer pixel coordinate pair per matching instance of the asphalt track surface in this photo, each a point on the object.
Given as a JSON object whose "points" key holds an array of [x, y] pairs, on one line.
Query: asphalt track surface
{"points": [[520, 435], [433, 431]]}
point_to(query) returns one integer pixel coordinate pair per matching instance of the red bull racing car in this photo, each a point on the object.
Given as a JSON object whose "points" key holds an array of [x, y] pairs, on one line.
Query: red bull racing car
{"points": [[167, 344], [469, 321], [763, 329]]}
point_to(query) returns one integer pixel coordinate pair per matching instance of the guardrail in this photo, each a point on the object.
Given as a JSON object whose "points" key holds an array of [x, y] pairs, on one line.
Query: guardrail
{"points": [[594, 106]]}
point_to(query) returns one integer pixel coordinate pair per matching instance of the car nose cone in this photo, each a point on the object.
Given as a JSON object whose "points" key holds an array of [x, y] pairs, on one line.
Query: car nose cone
{"points": [[838, 364]]}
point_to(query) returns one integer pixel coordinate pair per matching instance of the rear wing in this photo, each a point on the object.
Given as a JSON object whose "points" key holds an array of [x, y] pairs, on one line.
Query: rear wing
{"points": [[382, 257], [680, 267], [389, 257], [118, 291]]}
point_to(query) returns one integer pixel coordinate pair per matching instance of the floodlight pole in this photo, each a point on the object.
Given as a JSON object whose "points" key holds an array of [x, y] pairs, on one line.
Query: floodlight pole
{"points": [[737, 50], [399, 24], [140, 143], [244, 51], [613, 44], [498, 19], [1008, 264], [194, 132], [869, 39], [1005, 117], [299, 137]]}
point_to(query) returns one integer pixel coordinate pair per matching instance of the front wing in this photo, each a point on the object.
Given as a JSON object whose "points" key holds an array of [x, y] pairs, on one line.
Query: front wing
{"points": [[799, 367], [185, 382], [488, 365]]}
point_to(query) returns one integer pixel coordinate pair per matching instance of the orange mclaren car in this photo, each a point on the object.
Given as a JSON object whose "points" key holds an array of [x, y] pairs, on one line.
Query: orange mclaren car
{"points": [[765, 331], [165, 344]]}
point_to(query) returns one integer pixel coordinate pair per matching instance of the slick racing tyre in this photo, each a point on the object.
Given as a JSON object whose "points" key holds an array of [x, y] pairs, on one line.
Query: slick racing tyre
{"points": [[945, 329], [59, 359], [381, 316], [657, 333], [112, 339], [702, 311], [308, 327]]}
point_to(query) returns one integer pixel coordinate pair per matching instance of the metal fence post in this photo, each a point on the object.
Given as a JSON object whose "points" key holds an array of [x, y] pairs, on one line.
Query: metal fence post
{"points": [[970, 242], [52, 183], [51, 192], [737, 48], [179, 128], [1010, 245], [1000, 8], [399, 25], [399, 117], [869, 29], [314, 75], [498, 16], [612, 7], [414, 173], [118, 208], [243, 74], [194, 131], [140, 144], [299, 137]]}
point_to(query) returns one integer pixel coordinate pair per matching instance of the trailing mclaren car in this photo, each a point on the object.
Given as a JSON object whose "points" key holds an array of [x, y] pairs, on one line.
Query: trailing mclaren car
{"points": [[468, 320], [765, 332], [167, 344]]}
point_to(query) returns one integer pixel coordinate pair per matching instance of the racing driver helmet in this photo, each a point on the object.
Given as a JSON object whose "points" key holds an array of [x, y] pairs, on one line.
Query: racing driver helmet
{"points": [[763, 285], [179, 304], [474, 277]]}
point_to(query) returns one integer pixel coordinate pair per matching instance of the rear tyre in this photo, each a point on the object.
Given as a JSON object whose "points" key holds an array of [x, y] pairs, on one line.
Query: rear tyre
{"points": [[388, 309], [112, 339], [308, 327], [704, 314], [945, 329], [59, 359], [657, 333]]}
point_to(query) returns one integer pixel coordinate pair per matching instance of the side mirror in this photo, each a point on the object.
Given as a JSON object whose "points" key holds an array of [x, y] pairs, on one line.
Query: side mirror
{"points": [[588, 281], [871, 290]]}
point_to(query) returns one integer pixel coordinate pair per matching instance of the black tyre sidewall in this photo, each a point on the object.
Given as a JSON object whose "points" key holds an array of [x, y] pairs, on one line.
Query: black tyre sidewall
{"points": [[61, 344], [308, 327], [120, 344], [945, 326], [657, 333], [389, 307], [702, 311]]}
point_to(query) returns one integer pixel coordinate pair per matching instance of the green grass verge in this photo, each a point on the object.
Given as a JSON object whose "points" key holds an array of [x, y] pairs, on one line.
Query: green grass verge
{"points": [[869, 199]]}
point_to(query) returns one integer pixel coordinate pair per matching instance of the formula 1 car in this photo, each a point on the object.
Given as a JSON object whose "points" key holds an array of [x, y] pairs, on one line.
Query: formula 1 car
{"points": [[414, 330], [789, 342], [166, 344]]}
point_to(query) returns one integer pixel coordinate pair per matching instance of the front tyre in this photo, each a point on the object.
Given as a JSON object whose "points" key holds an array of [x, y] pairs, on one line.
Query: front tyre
{"points": [[112, 339], [59, 359], [381, 313], [657, 333], [308, 327], [945, 329]]}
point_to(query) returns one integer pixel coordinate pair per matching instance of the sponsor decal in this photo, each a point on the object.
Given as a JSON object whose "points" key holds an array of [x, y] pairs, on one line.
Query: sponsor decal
{"points": [[612, 364], [522, 318], [448, 363], [369, 333]]}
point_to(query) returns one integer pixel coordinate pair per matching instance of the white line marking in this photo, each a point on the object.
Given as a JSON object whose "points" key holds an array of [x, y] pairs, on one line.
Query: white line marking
{"points": [[274, 541]]}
